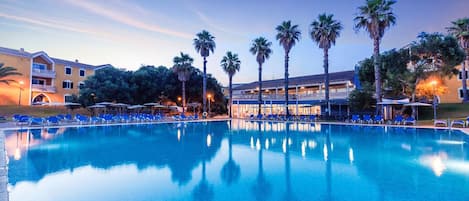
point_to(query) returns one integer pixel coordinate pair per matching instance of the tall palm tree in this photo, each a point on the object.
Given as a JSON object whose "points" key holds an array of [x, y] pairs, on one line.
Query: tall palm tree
{"points": [[375, 17], [261, 48], [287, 35], [204, 43], [230, 64], [460, 30], [182, 67], [324, 31], [5, 72]]}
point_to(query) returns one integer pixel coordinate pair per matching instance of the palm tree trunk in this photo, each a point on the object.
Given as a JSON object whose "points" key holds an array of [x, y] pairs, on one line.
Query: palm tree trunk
{"points": [[377, 73], [259, 100], [287, 113], [231, 93], [183, 96], [204, 90], [326, 75], [464, 79]]}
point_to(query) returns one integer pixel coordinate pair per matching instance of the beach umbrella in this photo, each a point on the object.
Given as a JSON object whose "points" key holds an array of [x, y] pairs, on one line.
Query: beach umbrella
{"points": [[135, 107], [97, 106], [104, 103]]}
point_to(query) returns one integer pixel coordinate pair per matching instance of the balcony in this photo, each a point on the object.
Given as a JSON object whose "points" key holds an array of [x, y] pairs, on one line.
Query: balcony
{"points": [[43, 88], [43, 73], [292, 96]]}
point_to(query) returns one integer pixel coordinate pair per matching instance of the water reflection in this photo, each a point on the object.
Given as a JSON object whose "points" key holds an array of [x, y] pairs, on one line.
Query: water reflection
{"points": [[278, 161]]}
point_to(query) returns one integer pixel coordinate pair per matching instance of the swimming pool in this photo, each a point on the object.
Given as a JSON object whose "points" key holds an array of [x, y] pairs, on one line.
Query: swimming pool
{"points": [[237, 160]]}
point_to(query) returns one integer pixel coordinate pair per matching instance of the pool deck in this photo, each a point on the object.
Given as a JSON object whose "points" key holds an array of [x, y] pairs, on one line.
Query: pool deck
{"points": [[11, 125]]}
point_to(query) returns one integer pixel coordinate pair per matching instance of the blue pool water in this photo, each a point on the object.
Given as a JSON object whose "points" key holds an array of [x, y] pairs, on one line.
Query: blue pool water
{"points": [[237, 161]]}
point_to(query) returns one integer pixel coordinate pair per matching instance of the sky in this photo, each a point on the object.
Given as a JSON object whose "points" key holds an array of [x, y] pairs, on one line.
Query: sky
{"points": [[131, 33]]}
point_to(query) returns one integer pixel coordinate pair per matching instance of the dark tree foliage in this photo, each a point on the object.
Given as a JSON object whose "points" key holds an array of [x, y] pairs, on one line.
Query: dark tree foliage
{"points": [[147, 84], [361, 100]]}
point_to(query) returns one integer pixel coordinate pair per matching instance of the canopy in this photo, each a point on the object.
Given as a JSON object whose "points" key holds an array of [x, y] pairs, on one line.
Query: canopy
{"points": [[418, 104], [104, 103], [152, 104], [72, 104], [97, 106], [135, 106], [119, 105], [394, 102]]}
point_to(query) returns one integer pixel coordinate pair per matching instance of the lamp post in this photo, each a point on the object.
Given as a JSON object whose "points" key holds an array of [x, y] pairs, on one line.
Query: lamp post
{"points": [[433, 83], [209, 97], [21, 89]]}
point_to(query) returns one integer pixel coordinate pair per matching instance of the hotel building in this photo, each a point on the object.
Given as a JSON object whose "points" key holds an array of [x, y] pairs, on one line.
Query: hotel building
{"points": [[306, 95], [44, 79], [454, 92]]}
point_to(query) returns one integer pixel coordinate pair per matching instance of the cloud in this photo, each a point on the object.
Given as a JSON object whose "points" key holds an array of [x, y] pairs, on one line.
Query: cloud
{"points": [[214, 25], [120, 17]]}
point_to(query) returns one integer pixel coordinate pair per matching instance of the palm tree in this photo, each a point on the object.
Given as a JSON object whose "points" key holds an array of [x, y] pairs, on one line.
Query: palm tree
{"points": [[261, 48], [204, 44], [375, 17], [5, 72], [324, 31], [460, 30], [230, 64], [287, 35], [182, 67]]}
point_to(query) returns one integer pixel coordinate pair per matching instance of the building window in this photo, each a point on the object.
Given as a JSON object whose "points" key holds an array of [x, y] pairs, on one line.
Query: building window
{"points": [[67, 84], [39, 66], [68, 98], [81, 85], [38, 81], [82, 73], [461, 94], [68, 70], [460, 75]]}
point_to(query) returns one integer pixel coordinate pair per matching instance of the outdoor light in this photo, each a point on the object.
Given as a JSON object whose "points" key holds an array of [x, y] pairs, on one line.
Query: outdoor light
{"points": [[179, 98]]}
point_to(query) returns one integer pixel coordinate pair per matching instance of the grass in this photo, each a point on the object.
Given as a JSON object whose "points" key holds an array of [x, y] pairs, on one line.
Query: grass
{"points": [[37, 111]]}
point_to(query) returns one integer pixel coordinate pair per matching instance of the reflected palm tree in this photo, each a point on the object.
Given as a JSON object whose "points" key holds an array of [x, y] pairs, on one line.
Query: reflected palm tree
{"points": [[288, 193], [328, 196], [261, 188], [203, 191], [231, 171]]}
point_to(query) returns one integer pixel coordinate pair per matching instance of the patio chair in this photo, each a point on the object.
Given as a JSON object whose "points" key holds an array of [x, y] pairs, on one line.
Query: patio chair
{"points": [[183, 117], [312, 118], [36, 121], [259, 117], [410, 121], [398, 120], [251, 117], [356, 118], [367, 118], [440, 123], [52, 120], [458, 123], [378, 119]]}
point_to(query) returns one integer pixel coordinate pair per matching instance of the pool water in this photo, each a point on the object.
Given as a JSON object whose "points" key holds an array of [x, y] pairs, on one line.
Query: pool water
{"points": [[237, 160]]}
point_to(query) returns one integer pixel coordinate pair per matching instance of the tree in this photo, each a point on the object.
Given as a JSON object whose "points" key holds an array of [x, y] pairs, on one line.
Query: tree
{"points": [[230, 64], [182, 67], [375, 17], [361, 100], [204, 43], [460, 30], [287, 35], [433, 55], [6, 71], [261, 48], [324, 31]]}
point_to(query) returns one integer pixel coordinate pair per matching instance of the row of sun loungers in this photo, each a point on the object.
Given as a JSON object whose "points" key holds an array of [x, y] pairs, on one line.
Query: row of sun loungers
{"points": [[454, 123], [24, 120]]}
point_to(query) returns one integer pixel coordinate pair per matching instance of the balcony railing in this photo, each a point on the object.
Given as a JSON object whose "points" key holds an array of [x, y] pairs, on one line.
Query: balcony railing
{"points": [[314, 96], [44, 73], [43, 88]]}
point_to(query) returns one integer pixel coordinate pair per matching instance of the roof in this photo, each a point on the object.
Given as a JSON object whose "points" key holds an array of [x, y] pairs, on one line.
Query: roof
{"points": [[301, 80], [22, 53]]}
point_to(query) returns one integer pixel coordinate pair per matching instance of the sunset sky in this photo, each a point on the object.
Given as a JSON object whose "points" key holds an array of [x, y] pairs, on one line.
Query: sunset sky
{"points": [[128, 34]]}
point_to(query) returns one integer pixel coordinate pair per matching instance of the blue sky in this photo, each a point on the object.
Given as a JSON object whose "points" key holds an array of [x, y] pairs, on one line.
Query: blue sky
{"points": [[128, 34]]}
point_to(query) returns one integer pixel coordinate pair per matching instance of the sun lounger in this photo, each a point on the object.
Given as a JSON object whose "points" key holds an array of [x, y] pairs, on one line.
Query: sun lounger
{"points": [[378, 119], [398, 120], [312, 118], [440, 123], [410, 121], [458, 123], [52, 120], [36, 121], [367, 119], [356, 118]]}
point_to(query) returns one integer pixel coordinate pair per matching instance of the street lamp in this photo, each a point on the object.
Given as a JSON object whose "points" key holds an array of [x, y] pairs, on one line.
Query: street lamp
{"points": [[21, 89], [433, 83], [209, 97]]}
